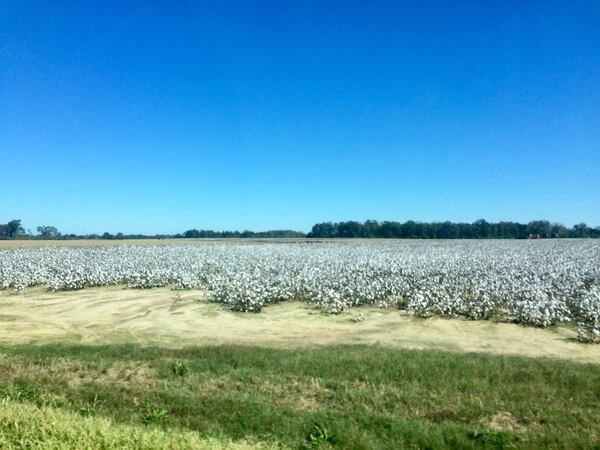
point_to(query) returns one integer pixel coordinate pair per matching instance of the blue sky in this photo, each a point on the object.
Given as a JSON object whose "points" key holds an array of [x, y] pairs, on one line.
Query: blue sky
{"points": [[163, 116]]}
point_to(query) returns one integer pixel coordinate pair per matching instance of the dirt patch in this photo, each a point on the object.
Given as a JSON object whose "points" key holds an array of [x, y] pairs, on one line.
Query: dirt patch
{"points": [[299, 396], [127, 372], [310, 395], [116, 315], [75, 373], [294, 394], [504, 421], [123, 373]]}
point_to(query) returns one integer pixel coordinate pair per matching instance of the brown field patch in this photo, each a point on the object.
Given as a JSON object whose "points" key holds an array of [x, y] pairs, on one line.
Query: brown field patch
{"points": [[116, 315]]}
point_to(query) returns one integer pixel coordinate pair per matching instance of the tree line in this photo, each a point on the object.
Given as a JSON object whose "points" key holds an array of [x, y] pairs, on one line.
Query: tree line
{"points": [[480, 229], [14, 230], [271, 234]]}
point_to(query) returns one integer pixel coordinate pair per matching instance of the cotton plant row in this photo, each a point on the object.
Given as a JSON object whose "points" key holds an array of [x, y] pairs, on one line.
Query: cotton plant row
{"points": [[539, 283]]}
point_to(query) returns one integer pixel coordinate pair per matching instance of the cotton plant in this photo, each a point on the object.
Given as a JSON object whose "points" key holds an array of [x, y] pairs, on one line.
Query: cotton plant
{"points": [[538, 283], [587, 313]]}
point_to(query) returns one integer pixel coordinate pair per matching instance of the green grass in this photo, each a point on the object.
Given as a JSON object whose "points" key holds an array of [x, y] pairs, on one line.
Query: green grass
{"points": [[43, 428], [348, 397]]}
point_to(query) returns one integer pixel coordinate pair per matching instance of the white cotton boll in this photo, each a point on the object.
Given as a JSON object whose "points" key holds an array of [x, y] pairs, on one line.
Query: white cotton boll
{"points": [[541, 285]]}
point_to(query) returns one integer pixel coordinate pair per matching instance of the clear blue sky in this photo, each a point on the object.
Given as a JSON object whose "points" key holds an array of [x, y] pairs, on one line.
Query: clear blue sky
{"points": [[163, 116]]}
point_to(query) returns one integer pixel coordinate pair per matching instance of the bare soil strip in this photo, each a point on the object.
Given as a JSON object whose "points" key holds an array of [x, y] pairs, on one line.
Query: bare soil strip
{"points": [[163, 316]]}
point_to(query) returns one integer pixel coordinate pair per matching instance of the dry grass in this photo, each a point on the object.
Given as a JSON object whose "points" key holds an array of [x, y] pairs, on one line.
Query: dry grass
{"points": [[37, 243], [504, 421], [115, 315]]}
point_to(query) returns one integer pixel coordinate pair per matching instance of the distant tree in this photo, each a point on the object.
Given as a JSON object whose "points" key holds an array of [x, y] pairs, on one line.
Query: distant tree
{"points": [[447, 230], [370, 229], [408, 229], [350, 229], [48, 232], [541, 227], [324, 230], [558, 230], [191, 234], [13, 229], [390, 230], [581, 230], [481, 228], [464, 230], [276, 234]]}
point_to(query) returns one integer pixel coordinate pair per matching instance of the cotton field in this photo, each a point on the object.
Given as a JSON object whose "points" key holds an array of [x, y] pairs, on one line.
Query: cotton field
{"points": [[538, 283]]}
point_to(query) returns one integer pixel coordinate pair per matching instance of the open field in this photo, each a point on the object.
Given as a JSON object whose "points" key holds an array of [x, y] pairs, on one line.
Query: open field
{"points": [[533, 283], [352, 346]]}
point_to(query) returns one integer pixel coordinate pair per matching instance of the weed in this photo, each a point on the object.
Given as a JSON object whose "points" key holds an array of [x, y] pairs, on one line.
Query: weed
{"points": [[152, 413], [179, 368], [318, 436], [14, 392], [92, 408]]}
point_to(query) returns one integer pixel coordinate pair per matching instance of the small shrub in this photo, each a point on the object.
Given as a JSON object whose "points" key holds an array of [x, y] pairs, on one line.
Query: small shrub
{"points": [[179, 368], [152, 413]]}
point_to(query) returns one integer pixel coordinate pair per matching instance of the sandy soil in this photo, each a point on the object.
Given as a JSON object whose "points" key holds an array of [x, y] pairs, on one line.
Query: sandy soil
{"points": [[174, 318]]}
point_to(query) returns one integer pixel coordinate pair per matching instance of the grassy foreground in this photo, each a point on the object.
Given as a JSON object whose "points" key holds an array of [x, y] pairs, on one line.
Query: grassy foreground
{"points": [[126, 396]]}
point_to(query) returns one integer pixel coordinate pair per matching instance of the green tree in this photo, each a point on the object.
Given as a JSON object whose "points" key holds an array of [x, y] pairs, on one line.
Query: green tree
{"points": [[47, 232], [581, 230], [13, 229], [541, 227]]}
